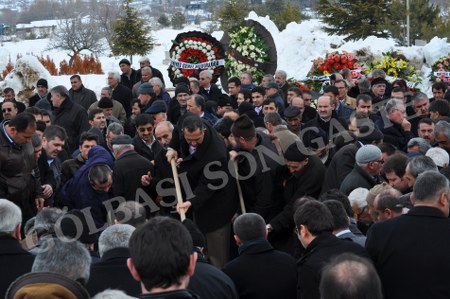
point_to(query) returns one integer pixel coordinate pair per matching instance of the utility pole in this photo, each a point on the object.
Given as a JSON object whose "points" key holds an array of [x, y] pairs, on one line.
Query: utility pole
{"points": [[407, 23]]}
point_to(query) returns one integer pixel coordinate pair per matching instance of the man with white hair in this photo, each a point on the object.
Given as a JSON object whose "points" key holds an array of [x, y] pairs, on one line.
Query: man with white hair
{"points": [[13, 257], [209, 91], [120, 93], [281, 80], [439, 156], [395, 127], [111, 271], [145, 62]]}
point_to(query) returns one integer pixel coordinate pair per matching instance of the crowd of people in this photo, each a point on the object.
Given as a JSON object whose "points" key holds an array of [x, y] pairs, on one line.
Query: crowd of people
{"points": [[287, 193]]}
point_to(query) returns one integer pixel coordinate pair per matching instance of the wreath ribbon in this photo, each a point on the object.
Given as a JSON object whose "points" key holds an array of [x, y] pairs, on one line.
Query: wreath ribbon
{"points": [[194, 66], [438, 74], [239, 57]]}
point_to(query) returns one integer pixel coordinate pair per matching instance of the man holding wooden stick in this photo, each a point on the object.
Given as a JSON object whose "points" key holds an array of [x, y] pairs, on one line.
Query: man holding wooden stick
{"points": [[209, 190]]}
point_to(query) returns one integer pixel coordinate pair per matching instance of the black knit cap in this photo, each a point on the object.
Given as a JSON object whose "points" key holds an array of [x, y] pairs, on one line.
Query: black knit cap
{"points": [[296, 152], [42, 82], [105, 103], [182, 89], [126, 61]]}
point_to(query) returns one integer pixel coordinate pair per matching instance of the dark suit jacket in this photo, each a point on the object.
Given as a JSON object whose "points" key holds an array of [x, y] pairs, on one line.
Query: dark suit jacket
{"points": [[411, 254], [213, 94], [128, 170], [357, 178], [340, 166], [210, 283], [317, 254], [262, 272], [331, 127], [213, 207], [14, 261], [142, 149], [111, 272], [394, 134]]}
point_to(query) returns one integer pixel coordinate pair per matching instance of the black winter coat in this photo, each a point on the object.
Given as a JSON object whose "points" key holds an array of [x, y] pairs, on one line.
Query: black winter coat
{"points": [[410, 253], [261, 272], [15, 262], [316, 256], [128, 170], [212, 208], [123, 94], [83, 97], [74, 119], [111, 272]]}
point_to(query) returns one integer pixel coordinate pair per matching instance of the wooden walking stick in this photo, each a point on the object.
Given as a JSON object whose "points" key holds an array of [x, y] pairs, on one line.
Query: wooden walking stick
{"points": [[241, 197], [177, 188]]}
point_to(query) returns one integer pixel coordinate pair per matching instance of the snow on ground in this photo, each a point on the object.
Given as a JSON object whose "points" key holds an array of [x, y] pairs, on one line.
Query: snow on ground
{"points": [[297, 46]]}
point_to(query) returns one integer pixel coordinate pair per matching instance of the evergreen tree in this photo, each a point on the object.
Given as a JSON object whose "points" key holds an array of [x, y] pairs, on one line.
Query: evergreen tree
{"points": [[178, 20], [131, 33], [163, 20], [290, 13], [425, 21], [231, 14], [355, 18]]}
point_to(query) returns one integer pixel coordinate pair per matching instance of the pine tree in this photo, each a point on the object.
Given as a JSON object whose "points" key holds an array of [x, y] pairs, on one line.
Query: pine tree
{"points": [[178, 20], [290, 13], [163, 20], [355, 18], [131, 35], [232, 14]]}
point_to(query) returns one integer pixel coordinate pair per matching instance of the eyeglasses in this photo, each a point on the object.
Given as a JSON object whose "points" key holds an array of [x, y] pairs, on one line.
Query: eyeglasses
{"points": [[142, 130], [6, 109], [296, 230], [380, 161]]}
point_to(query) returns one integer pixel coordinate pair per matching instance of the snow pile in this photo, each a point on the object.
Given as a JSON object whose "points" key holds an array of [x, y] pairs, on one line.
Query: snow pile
{"points": [[27, 71], [435, 49]]}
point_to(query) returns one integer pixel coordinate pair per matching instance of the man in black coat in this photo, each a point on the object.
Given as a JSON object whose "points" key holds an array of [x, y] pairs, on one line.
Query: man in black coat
{"points": [[314, 224], [14, 259], [121, 92], [129, 75], [209, 91], [394, 125], [343, 161], [367, 169], [111, 271], [144, 142], [410, 252], [80, 94], [212, 195], [69, 115], [303, 176], [42, 93], [326, 118], [260, 271], [258, 161], [129, 167], [145, 62]]}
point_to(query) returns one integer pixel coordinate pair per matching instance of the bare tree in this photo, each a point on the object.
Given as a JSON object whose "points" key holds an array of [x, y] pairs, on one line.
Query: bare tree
{"points": [[106, 13], [76, 35]]}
